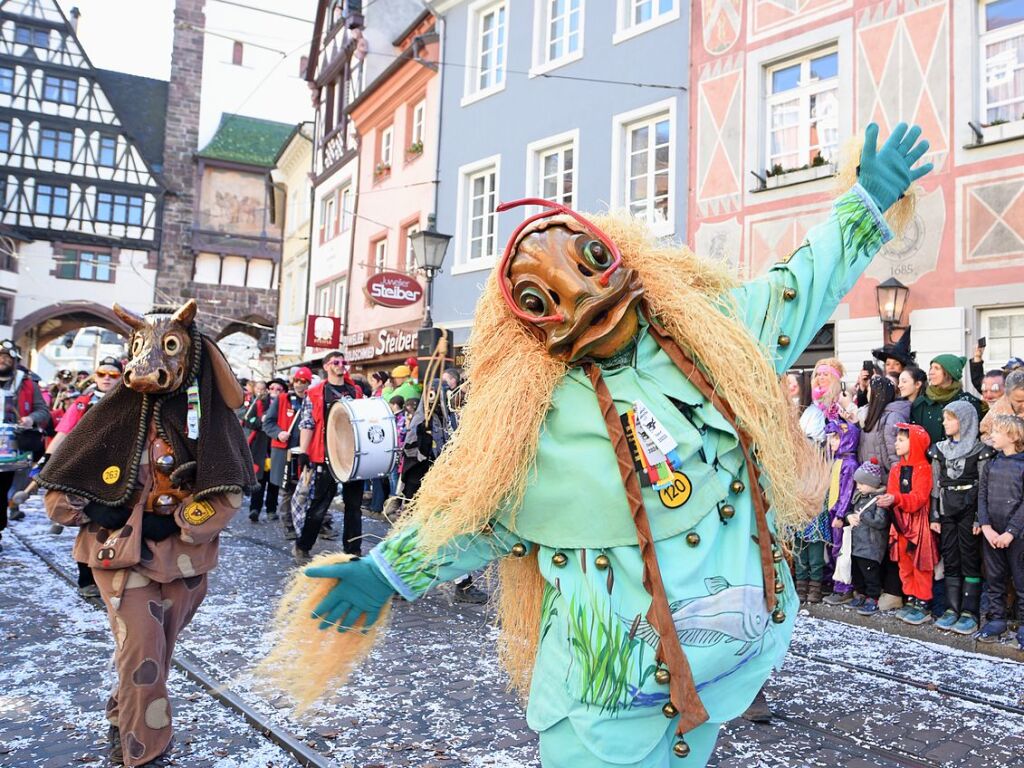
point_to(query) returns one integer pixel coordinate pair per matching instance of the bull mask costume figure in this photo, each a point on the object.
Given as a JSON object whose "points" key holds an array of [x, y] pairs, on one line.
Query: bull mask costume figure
{"points": [[627, 455], [153, 474]]}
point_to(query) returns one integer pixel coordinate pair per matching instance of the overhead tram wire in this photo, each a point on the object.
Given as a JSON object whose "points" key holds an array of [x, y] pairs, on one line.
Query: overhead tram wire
{"points": [[267, 11]]}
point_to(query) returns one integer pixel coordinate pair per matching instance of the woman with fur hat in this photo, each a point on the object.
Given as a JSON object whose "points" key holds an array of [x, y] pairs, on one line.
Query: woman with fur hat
{"points": [[957, 463], [605, 384]]}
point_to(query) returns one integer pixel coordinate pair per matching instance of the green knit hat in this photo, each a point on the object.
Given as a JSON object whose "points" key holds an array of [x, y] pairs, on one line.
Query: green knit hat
{"points": [[952, 364]]}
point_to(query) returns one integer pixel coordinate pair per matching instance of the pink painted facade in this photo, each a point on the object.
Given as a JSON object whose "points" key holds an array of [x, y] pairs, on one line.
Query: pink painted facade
{"points": [[396, 119], [921, 61]]}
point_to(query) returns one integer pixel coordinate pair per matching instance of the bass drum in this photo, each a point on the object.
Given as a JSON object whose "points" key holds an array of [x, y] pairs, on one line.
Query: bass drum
{"points": [[362, 439]]}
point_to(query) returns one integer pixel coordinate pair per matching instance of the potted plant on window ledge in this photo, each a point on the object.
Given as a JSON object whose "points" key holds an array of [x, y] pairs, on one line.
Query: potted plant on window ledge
{"points": [[381, 170], [414, 150], [818, 168], [1003, 130]]}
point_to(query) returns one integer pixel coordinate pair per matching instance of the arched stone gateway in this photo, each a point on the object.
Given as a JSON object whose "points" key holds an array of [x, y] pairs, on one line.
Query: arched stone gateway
{"points": [[39, 328], [256, 326]]}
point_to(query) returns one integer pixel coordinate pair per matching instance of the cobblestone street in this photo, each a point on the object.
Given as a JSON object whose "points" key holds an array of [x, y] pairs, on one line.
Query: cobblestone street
{"points": [[431, 694]]}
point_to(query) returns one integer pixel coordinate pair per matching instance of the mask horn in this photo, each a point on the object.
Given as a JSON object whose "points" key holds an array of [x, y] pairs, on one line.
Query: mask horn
{"points": [[187, 313], [129, 318]]}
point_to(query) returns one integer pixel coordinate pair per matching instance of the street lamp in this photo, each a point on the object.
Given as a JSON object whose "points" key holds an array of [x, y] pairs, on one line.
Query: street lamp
{"points": [[891, 296], [428, 249]]}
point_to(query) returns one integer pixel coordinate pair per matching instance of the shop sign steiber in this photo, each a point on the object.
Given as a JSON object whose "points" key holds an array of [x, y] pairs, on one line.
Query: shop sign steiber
{"points": [[393, 289]]}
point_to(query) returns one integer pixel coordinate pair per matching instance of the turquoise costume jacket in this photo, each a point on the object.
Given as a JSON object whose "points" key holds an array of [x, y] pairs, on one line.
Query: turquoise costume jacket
{"points": [[595, 663]]}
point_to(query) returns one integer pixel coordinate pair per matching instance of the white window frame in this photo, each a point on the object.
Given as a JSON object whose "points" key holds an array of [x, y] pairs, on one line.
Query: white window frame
{"points": [[323, 300], [535, 153], [387, 146], [328, 215], [621, 124], [345, 201], [380, 256], [624, 30], [409, 260], [340, 297], [542, 37], [839, 34], [985, 319], [419, 122], [467, 173], [477, 11], [987, 38], [803, 93]]}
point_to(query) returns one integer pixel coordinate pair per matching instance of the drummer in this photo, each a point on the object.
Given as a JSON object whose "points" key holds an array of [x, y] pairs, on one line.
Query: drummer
{"points": [[312, 451], [280, 423], [22, 407]]}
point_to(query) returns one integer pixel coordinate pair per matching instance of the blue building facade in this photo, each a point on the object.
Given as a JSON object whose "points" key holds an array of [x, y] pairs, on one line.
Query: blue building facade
{"points": [[579, 101]]}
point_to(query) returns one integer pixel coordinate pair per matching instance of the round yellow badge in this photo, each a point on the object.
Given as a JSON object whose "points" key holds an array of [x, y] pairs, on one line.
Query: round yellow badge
{"points": [[111, 475], [678, 493]]}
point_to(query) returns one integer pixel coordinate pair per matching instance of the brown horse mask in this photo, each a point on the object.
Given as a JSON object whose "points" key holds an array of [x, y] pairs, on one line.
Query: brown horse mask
{"points": [[161, 349]]}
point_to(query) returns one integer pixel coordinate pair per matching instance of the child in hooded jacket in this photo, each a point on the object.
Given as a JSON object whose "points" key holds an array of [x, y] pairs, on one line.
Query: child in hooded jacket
{"points": [[869, 529], [957, 462], [911, 541], [843, 439], [1001, 517]]}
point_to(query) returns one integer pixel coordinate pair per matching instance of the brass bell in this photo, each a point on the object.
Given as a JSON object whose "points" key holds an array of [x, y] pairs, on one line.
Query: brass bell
{"points": [[519, 549], [779, 586], [778, 615], [737, 487], [727, 511], [784, 340], [777, 556], [165, 504], [164, 464], [681, 748], [789, 294], [662, 676], [602, 562], [559, 559], [693, 538], [669, 710]]}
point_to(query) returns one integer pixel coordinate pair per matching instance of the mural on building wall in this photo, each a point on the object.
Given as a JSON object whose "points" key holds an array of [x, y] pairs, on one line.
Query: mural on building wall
{"points": [[772, 237], [770, 17], [235, 202], [990, 215], [914, 253], [721, 241], [903, 71], [720, 136], [723, 20]]}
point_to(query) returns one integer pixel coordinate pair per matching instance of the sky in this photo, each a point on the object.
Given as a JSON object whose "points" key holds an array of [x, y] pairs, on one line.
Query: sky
{"points": [[131, 36]]}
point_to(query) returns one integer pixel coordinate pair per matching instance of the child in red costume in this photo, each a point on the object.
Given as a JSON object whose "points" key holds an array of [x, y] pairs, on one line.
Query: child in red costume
{"points": [[911, 543]]}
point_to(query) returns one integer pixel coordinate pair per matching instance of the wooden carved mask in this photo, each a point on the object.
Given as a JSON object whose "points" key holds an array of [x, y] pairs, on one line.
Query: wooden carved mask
{"points": [[161, 349], [562, 278]]}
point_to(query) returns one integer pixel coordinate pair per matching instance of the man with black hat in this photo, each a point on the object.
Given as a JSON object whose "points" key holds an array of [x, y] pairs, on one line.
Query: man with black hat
{"points": [[22, 405], [280, 425], [106, 376]]}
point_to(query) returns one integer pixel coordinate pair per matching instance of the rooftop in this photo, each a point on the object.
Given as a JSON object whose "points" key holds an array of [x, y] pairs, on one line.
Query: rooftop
{"points": [[248, 140], [141, 105]]}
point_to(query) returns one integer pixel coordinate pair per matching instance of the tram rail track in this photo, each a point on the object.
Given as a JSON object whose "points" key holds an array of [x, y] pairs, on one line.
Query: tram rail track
{"points": [[218, 690]]}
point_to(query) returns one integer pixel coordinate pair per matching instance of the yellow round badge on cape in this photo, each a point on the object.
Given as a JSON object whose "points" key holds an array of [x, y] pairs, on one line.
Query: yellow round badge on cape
{"points": [[678, 493], [111, 475], [198, 512]]}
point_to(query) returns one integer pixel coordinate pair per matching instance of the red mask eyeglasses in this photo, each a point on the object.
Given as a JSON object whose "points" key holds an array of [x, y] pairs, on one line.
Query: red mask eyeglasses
{"points": [[510, 247], [107, 375]]}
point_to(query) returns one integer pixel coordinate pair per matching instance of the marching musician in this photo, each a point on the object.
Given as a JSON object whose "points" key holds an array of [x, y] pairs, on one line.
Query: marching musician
{"points": [[313, 452], [280, 424]]}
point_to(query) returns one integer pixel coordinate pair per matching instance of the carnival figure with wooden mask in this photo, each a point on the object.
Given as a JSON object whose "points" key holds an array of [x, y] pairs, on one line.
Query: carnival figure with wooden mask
{"points": [[633, 488], [152, 476]]}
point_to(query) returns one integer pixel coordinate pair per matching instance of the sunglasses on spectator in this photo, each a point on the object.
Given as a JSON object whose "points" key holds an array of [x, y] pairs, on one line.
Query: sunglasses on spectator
{"points": [[336, 361], [107, 375]]}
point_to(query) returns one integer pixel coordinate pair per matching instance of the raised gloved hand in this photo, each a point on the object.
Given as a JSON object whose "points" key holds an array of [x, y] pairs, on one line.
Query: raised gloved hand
{"points": [[361, 589], [887, 173], [38, 466]]}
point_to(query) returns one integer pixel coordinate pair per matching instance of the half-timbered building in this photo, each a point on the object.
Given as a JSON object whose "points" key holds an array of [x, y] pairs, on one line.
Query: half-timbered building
{"points": [[81, 150]]}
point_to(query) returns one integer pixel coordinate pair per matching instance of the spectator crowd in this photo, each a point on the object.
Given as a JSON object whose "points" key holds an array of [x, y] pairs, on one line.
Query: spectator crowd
{"points": [[924, 510]]}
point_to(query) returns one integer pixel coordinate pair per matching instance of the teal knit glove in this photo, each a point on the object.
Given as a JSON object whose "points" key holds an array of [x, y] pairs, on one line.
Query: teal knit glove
{"points": [[361, 589], [888, 173]]}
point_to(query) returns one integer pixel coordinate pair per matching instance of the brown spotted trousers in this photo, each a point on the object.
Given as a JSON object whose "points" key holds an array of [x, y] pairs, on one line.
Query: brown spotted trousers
{"points": [[148, 605]]}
